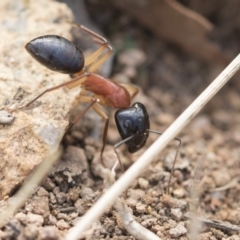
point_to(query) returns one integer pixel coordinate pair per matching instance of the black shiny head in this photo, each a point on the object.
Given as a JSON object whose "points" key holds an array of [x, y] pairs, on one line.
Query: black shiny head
{"points": [[133, 121], [56, 53]]}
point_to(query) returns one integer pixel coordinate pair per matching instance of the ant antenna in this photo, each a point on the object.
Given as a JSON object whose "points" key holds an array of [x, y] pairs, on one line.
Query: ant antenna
{"points": [[115, 151], [175, 158]]}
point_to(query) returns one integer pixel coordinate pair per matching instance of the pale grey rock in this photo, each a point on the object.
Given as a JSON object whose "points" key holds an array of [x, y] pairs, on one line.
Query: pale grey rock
{"points": [[6, 117], [37, 131]]}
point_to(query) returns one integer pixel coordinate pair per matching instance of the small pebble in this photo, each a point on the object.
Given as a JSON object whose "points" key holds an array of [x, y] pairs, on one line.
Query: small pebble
{"points": [[176, 213], [165, 118], [42, 192], [233, 237], [90, 141], [149, 222], [73, 215], [39, 206], [89, 151], [6, 117], [171, 202], [78, 135], [73, 194], [221, 176], [143, 183], [21, 217], [200, 125], [52, 198], [121, 78], [233, 216], [60, 197], [130, 71], [35, 219], [155, 193], [75, 221], [132, 57], [52, 220], [178, 231], [31, 232], [179, 176], [179, 193], [136, 193], [61, 224], [56, 190], [110, 228], [50, 233], [148, 199], [141, 208], [79, 205], [131, 202], [48, 184], [85, 192], [63, 216]]}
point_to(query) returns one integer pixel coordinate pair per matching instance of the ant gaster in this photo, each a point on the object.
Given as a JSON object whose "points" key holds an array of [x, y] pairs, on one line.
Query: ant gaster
{"points": [[61, 55]]}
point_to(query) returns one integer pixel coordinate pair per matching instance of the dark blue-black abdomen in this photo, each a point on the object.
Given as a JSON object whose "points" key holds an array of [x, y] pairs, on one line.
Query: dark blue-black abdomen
{"points": [[56, 53]]}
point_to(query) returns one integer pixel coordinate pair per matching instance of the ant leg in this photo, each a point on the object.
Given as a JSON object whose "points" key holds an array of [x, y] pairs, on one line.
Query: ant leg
{"points": [[79, 82], [115, 150], [100, 112], [96, 54], [79, 116], [79, 79], [100, 61], [118, 158], [132, 90], [105, 44], [92, 33], [82, 94], [175, 158]]}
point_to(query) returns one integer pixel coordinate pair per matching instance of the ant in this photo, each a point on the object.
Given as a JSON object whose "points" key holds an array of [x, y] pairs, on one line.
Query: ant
{"points": [[61, 55], [134, 128]]}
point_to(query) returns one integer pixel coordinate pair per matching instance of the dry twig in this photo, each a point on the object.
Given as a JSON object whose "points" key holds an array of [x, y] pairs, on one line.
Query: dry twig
{"points": [[231, 184], [124, 212], [133, 227], [226, 226]]}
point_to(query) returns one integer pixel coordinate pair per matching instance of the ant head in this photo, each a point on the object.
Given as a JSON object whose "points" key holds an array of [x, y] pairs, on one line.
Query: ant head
{"points": [[133, 122]]}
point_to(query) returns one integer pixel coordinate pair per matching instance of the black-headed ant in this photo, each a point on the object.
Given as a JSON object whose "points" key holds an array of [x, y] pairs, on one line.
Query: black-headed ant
{"points": [[61, 55]]}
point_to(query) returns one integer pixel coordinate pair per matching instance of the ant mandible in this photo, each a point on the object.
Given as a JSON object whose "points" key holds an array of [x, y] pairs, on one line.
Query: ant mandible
{"points": [[134, 128], [61, 55]]}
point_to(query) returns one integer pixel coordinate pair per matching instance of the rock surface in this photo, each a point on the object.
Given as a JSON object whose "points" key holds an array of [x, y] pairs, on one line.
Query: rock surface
{"points": [[37, 131]]}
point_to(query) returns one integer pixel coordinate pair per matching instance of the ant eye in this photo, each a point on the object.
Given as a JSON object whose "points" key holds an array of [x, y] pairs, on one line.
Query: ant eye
{"points": [[128, 124]]}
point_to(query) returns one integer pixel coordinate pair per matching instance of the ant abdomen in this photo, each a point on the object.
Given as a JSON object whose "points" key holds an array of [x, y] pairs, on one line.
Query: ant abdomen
{"points": [[56, 53]]}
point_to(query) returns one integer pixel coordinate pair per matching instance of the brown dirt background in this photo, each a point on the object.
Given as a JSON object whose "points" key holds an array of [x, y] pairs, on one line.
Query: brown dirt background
{"points": [[169, 79]]}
